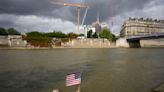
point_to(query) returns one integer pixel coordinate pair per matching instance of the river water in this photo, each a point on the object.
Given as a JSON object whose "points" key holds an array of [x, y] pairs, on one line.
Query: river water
{"points": [[103, 70]]}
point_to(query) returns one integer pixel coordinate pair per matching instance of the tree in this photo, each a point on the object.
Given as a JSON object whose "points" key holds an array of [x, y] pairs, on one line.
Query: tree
{"points": [[89, 34], [114, 38], [95, 35], [35, 34], [60, 35], [81, 34], [3, 31], [50, 34], [38, 39], [106, 34], [12, 31], [72, 35]]}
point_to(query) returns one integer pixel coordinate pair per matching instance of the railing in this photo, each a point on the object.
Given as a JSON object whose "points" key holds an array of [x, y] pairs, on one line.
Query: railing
{"points": [[155, 35]]}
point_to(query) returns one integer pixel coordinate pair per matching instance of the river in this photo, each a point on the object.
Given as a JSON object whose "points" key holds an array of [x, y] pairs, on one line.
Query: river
{"points": [[103, 70]]}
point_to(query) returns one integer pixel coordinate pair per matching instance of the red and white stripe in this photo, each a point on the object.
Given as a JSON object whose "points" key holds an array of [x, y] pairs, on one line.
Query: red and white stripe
{"points": [[71, 80]]}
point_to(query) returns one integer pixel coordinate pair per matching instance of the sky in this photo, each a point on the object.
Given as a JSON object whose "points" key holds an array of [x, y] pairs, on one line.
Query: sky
{"points": [[45, 16]]}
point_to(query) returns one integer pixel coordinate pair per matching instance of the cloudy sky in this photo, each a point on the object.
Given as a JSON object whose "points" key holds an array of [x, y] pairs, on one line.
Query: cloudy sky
{"points": [[42, 15]]}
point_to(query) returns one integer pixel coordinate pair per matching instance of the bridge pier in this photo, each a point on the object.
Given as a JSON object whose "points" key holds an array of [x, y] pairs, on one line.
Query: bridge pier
{"points": [[128, 43], [134, 44]]}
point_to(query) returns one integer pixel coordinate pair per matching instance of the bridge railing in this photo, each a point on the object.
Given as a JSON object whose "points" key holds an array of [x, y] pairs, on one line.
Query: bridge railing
{"points": [[148, 35]]}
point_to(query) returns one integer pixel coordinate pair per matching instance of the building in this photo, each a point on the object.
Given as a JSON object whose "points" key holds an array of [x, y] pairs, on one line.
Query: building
{"points": [[3, 40], [95, 27], [12, 41], [141, 27], [99, 26], [104, 25], [16, 41]]}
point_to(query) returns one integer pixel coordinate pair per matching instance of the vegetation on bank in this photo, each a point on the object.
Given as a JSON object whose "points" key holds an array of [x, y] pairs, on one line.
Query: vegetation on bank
{"points": [[42, 39], [45, 39], [10, 31], [104, 34], [38, 39]]}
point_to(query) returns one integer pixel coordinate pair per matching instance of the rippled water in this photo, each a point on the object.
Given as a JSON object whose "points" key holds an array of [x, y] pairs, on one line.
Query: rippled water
{"points": [[103, 70]]}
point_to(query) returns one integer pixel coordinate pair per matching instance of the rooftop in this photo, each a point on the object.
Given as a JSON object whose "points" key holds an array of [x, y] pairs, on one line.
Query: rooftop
{"points": [[146, 20]]}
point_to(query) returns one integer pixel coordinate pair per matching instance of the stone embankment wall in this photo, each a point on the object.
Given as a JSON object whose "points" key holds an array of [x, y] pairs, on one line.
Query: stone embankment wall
{"points": [[12, 41], [152, 43], [89, 43], [17, 43], [3, 41], [122, 42]]}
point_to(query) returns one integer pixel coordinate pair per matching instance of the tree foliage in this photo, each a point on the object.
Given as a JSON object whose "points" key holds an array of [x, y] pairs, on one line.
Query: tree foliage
{"points": [[3, 31], [81, 34], [89, 34], [38, 39], [44, 39], [95, 35], [72, 35], [60, 35], [106, 34], [10, 31], [49, 34], [35, 34], [114, 38]]}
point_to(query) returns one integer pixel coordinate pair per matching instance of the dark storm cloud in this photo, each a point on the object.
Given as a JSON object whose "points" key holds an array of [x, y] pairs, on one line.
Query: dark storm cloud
{"points": [[25, 7], [7, 21], [111, 8], [6, 24], [25, 14], [106, 8]]}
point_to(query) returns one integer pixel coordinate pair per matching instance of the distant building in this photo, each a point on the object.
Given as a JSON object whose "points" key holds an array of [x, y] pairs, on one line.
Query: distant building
{"points": [[16, 41], [141, 27], [91, 28], [88, 28], [104, 25], [99, 26], [95, 27], [3, 40], [12, 41]]}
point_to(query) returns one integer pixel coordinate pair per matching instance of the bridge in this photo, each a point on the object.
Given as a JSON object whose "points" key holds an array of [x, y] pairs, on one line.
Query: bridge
{"points": [[134, 41]]}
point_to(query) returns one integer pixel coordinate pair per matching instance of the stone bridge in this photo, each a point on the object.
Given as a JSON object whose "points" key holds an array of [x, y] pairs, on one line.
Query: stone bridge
{"points": [[135, 41]]}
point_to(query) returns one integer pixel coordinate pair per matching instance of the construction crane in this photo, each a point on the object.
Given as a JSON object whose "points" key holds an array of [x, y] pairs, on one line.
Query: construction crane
{"points": [[79, 7]]}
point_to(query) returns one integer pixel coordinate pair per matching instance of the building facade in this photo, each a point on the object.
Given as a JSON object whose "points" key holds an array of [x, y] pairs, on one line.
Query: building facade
{"points": [[12, 41], [142, 27], [3, 40], [99, 26]]}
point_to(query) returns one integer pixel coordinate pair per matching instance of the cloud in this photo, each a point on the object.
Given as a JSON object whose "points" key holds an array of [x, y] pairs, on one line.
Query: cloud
{"points": [[19, 13], [36, 23], [106, 8], [153, 9]]}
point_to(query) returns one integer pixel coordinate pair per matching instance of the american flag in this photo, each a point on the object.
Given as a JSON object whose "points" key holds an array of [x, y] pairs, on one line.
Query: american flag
{"points": [[73, 79]]}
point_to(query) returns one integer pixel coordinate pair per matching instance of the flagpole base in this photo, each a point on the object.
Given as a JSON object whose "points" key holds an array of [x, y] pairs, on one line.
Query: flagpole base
{"points": [[78, 90]]}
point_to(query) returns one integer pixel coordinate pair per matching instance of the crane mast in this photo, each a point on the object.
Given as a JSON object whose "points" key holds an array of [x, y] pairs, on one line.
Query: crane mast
{"points": [[79, 7]]}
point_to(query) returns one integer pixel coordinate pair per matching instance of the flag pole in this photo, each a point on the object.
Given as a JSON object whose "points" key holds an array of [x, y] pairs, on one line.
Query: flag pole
{"points": [[78, 90]]}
